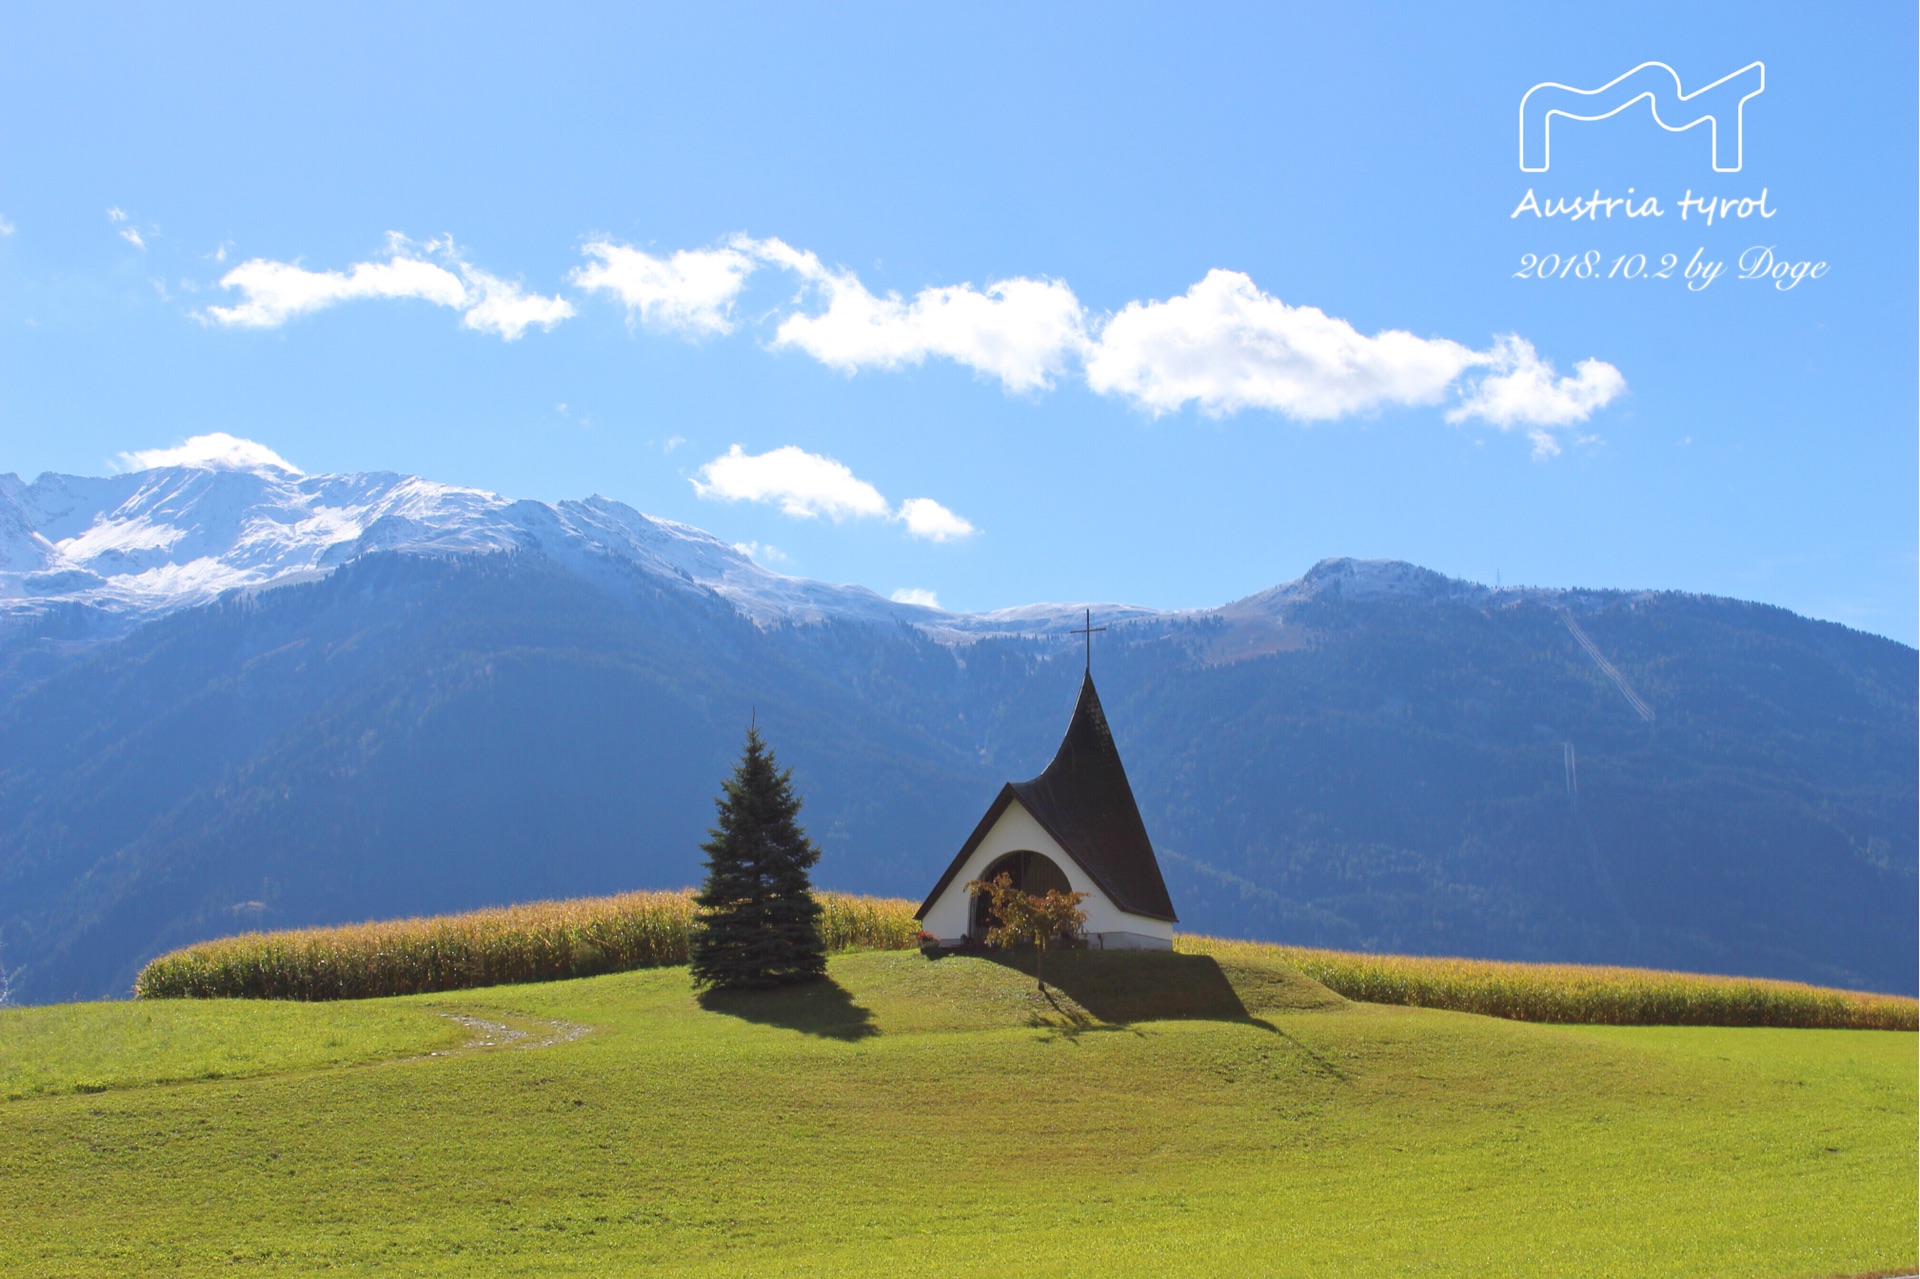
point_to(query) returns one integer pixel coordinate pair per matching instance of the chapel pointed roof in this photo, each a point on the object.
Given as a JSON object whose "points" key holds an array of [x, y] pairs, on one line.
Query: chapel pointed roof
{"points": [[1084, 801]]}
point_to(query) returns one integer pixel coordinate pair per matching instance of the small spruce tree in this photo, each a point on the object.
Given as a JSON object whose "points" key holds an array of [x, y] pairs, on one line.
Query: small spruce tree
{"points": [[758, 924]]}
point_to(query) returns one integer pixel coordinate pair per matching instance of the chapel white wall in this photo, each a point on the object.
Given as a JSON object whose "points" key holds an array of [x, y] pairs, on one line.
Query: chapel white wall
{"points": [[1107, 925]]}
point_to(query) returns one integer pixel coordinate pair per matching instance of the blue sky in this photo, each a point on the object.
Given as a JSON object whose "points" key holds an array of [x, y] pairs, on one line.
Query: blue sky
{"points": [[1004, 304]]}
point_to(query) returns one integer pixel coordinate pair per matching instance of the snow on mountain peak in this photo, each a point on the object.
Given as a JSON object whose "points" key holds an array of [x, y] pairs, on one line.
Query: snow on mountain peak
{"points": [[232, 515], [167, 537], [1379, 579], [223, 514]]}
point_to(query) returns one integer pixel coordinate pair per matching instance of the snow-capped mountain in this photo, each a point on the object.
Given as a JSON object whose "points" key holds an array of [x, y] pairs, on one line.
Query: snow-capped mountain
{"points": [[130, 547], [136, 545]]}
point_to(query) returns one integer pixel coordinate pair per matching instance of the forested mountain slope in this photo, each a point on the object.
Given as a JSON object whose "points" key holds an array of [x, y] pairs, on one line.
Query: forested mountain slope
{"points": [[1426, 768]]}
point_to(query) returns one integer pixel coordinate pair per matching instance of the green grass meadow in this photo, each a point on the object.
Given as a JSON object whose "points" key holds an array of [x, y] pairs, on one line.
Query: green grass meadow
{"points": [[91, 1048], [1162, 1115]]}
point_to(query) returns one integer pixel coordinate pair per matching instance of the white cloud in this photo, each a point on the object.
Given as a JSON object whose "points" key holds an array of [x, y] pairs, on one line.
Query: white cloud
{"points": [[1222, 347], [1226, 346], [1523, 390], [926, 518], [279, 291], [6, 227], [690, 292], [503, 308], [914, 595], [802, 484], [127, 231], [276, 292], [807, 485], [216, 451], [765, 552], [1020, 331]]}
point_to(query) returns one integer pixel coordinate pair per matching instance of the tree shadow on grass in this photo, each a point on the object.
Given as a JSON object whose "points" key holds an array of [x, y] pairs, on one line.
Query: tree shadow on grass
{"points": [[1118, 987], [823, 1007], [1318, 1062]]}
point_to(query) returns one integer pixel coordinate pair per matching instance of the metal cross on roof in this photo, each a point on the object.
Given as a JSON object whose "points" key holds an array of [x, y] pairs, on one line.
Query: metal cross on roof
{"points": [[1088, 631]]}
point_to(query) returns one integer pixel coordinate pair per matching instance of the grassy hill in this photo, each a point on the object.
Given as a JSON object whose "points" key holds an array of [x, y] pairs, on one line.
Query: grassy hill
{"points": [[1176, 1114]]}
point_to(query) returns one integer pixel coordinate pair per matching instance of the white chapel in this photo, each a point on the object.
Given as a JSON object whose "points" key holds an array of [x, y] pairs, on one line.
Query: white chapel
{"points": [[1074, 828]]}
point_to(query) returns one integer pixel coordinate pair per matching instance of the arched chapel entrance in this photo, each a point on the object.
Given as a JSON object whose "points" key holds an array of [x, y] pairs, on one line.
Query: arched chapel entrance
{"points": [[1031, 872]]}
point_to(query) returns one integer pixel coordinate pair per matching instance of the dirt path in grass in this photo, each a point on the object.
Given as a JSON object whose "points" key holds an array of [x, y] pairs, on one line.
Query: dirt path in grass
{"points": [[531, 1032]]}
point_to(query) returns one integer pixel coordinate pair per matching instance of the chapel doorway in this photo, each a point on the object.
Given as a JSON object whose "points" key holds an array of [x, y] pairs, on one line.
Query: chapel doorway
{"points": [[1030, 872]]}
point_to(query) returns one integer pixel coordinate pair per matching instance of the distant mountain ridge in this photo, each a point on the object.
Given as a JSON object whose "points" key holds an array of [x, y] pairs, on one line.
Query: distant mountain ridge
{"points": [[242, 697], [132, 547], [128, 548]]}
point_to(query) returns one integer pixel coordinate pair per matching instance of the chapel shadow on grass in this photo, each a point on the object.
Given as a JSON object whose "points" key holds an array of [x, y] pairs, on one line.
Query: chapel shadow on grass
{"points": [[1122, 986], [821, 1007]]}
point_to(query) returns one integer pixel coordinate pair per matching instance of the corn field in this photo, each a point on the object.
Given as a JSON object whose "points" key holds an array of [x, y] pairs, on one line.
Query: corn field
{"points": [[550, 941], [1577, 992], [543, 941]]}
